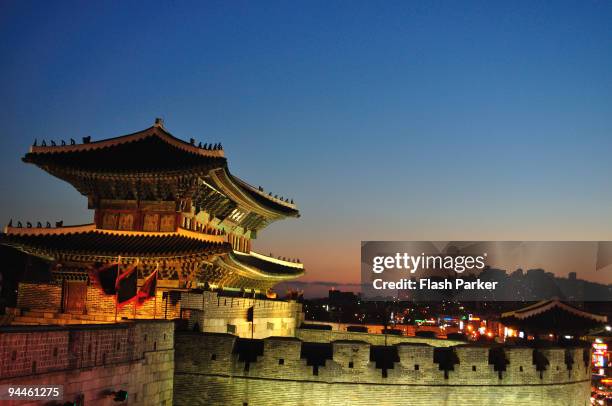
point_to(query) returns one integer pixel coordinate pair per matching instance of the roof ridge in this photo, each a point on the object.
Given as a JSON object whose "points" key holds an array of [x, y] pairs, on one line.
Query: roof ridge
{"points": [[545, 305], [155, 130]]}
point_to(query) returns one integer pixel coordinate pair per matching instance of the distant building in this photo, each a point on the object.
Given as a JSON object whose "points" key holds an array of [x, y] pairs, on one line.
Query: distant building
{"points": [[339, 298]]}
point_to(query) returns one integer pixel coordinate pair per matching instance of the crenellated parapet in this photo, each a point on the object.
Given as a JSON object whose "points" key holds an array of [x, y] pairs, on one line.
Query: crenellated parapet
{"points": [[344, 361]]}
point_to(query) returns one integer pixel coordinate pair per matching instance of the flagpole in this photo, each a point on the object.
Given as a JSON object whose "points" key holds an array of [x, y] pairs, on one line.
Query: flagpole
{"points": [[155, 292], [118, 271], [134, 301]]}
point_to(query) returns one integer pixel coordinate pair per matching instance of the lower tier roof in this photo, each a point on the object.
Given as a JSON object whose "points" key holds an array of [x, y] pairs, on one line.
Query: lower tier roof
{"points": [[269, 264], [211, 258], [88, 241]]}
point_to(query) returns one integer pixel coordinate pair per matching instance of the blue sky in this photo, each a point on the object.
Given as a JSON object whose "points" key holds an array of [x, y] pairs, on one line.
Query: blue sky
{"points": [[383, 120]]}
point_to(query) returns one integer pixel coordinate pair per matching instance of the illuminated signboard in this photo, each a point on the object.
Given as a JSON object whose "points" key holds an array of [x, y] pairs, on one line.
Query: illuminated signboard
{"points": [[600, 351]]}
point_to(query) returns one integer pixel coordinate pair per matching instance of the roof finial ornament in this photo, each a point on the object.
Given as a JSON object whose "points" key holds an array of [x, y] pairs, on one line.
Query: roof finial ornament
{"points": [[63, 143], [192, 141], [29, 225], [44, 143], [53, 144], [35, 142], [87, 140], [72, 141], [48, 225], [159, 122], [10, 224], [38, 224], [19, 224], [59, 223]]}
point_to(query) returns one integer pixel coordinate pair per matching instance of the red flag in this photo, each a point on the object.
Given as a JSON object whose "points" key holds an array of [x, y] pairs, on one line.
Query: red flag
{"points": [[105, 277], [126, 287], [148, 288]]}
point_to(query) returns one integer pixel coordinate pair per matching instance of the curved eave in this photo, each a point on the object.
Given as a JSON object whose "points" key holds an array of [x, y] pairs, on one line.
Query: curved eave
{"points": [[289, 209], [251, 198], [154, 131], [254, 267], [87, 243], [549, 305], [149, 153]]}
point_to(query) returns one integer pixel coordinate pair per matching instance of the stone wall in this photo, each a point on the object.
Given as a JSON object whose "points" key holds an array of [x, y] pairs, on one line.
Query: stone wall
{"points": [[326, 336], [39, 296], [93, 360], [216, 369], [48, 297], [406, 329], [99, 303], [220, 314]]}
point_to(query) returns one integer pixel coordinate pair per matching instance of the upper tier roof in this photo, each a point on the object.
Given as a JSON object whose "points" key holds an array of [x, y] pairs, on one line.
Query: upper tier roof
{"points": [[285, 207], [148, 151], [151, 165]]}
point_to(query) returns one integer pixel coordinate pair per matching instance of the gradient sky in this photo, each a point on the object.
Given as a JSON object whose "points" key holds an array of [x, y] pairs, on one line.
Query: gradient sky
{"points": [[383, 120]]}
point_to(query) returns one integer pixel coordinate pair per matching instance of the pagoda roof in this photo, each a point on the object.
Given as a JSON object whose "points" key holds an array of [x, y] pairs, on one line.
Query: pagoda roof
{"points": [[267, 200], [552, 315], [250, 197], [115, 168], [152, 150], [257, 266], [86, 242], [269, 264]]}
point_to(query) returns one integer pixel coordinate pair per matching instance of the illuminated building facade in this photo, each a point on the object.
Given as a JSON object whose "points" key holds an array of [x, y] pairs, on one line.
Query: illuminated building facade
{"points": [[159, 204]]}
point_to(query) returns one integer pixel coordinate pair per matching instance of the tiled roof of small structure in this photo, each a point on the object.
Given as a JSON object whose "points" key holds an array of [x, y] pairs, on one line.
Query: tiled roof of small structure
{"points": [[88, 241], [550, 305]]}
